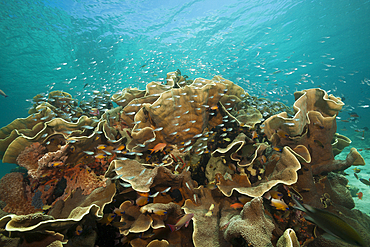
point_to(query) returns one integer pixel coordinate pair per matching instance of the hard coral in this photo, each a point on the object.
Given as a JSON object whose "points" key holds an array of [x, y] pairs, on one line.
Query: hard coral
{"points": [[181, 112], [86, 179], [29, 157], [252, 225], [13, 192]]}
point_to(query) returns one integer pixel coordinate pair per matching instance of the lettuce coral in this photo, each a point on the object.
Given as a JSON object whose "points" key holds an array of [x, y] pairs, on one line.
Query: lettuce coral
{"points": [[219, 163]]}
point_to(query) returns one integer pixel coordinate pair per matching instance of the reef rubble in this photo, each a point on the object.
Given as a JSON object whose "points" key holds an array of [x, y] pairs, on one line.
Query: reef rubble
{"points": [[220, 167]]}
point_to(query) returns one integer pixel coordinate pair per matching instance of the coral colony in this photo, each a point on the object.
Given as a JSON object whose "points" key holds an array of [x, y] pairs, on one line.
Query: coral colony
{"points": [[187, 163]]}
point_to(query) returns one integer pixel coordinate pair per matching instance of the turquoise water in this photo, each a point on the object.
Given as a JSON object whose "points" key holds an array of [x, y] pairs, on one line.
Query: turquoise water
{"points": [[64, 45]]}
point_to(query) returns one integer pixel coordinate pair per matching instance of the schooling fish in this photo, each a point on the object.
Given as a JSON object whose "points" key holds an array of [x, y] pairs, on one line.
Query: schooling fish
{"points": [[3, 94], [183, 221], [279, 205], [365, 181], [142, 200], [330, 223], [78, 230], [356, 170]]}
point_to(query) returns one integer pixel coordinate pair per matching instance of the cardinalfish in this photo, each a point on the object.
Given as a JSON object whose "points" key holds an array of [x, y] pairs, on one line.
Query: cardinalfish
{"points": [[159, 212], [118, 211], [158, 147], [273, 194], [184, 221], [101, 146], [100, 156], [278, 149], [120, 148], [282, 133], [142, 200], [279, 204], [107, 219], [56, 164], [331, 224], [78, 230]]}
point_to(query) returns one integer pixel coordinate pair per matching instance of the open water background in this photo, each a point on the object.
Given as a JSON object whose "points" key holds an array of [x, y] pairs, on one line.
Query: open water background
{"points": [[64, 45]]}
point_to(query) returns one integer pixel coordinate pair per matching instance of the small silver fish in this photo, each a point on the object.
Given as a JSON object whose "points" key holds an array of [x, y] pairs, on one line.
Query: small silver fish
{"points": [[151, 140], [117, 177], [155, 194], [187, 143], [108, 153], [130, 113], [125, 185], [149, 181], [142, 172], [188, 149], [166, 190], [117, 169], [187, 185]]}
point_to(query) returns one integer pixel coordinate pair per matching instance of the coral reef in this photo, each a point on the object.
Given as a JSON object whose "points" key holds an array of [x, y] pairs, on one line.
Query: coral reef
{"points": [[184, 163]]}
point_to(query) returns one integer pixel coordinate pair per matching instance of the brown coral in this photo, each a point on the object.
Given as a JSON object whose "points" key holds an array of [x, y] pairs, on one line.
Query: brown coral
{"points": [[13, 192], [252, 225]]}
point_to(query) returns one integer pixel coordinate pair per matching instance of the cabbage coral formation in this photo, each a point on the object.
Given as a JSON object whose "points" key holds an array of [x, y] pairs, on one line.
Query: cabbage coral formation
{"points": [[199, 148]]}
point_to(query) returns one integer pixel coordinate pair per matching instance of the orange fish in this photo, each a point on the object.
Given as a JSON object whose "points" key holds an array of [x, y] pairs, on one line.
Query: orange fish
{"points": [[273, 194], [159, 211], [120, 148], [158, 147], [51, 181], [254, 135], [215, 107], [146, 194], [237, 205], [57, 163], [279, 205], [277, 149], [100, 156], [360, 194], [78, 230], [142, 200]]}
